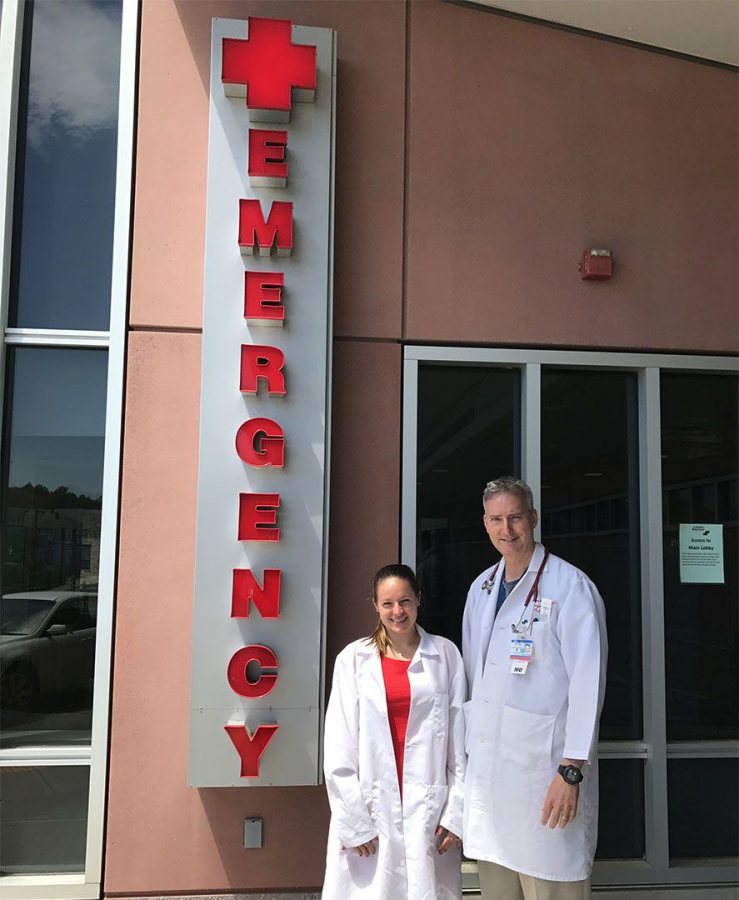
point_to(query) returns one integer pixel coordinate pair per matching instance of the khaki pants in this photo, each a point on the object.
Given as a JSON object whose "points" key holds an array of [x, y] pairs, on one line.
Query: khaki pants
{"points": [[499, 883]]}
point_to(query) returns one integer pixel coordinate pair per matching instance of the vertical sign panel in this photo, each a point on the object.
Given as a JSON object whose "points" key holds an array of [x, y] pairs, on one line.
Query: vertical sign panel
{"points": [[263, 471]]}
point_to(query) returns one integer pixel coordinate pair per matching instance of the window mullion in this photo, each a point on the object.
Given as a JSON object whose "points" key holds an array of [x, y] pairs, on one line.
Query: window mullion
{"points": [[409, 461], [113, 437], [531, 433], [56, 337], [653, 626], [11, 38]]}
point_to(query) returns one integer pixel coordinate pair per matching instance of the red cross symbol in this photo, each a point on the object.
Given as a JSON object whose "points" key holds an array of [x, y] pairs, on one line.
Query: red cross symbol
{"points": [[271, 67]]}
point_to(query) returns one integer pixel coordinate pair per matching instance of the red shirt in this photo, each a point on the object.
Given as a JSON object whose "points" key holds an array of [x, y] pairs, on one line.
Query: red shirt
{"points": [[398, 695]]}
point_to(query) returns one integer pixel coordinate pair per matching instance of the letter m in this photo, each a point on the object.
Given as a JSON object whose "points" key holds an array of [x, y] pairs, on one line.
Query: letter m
{"points": [[254, 230]]}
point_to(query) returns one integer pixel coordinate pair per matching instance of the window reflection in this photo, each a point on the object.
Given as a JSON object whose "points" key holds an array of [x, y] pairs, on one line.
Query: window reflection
{"points": [[51, 501], [66, 175], [621, 809], [44, 821], [468, 433], [699, 486], [703, 812], [590, 515]]}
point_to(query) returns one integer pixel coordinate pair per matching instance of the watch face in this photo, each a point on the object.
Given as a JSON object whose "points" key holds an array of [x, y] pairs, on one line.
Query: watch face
{"points": [[572, 775]]}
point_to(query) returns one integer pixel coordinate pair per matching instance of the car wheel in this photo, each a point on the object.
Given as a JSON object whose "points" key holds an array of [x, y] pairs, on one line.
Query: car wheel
{"points": [[19, 688]]}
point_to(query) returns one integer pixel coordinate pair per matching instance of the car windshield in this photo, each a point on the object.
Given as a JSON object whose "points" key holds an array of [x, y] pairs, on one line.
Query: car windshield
{"points": [[22, 615]]}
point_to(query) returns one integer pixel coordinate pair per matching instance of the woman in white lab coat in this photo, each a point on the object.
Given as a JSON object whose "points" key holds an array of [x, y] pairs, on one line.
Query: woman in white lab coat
{"points": [[396, 799]]}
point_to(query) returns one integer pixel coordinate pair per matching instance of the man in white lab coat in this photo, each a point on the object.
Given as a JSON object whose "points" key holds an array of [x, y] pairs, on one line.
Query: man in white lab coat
{"points": [[534, 648]]}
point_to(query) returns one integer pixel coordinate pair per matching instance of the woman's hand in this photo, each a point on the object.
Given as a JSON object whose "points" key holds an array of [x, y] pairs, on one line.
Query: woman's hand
{"points": [[367, 849], [448, 839]]}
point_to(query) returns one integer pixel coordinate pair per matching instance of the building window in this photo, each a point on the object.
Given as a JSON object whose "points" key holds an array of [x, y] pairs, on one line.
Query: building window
{"points": [[66, 283], [65, 166]]}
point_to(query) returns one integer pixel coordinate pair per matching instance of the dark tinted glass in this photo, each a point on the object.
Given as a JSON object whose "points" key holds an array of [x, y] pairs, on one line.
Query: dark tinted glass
{"points": [[51, 502], [590, 515], [699, 487], [703, 810], [468, 433], [621, 811], [66, 165], [44, 825]]}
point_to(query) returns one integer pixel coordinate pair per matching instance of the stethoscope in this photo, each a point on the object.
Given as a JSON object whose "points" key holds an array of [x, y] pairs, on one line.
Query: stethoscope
{"points": [[521, 627]]}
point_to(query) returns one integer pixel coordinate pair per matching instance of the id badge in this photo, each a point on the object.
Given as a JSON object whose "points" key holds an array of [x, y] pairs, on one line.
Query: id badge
{"points": [[519, 666], [522, 648]]}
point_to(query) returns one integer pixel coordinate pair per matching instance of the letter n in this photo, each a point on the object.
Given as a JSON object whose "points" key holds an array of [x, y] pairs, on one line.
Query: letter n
{"points": [[247, 590]]}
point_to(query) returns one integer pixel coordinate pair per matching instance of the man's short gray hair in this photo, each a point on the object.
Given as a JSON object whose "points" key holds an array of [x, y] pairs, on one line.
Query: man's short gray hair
{"points": [[507, 484]]}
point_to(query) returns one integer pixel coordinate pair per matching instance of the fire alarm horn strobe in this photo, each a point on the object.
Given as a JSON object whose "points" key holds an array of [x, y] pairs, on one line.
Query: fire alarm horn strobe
{"points": [[596, 265]]}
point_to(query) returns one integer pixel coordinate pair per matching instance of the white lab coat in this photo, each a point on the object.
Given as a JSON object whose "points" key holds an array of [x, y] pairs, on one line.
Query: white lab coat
{"points": [[518, 727], [362, 780]]}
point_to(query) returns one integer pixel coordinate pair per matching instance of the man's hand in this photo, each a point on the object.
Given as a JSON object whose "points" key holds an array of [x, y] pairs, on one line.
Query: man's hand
{"points": [[560, 803]]}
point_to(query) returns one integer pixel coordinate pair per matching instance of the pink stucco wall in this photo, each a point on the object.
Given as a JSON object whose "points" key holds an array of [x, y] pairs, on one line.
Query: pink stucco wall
{"points": [[528, 144], [169, 214], [476, 156]]}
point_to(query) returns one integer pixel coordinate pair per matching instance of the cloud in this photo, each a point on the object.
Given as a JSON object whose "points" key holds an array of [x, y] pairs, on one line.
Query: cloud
{"points": [[75, 57]]}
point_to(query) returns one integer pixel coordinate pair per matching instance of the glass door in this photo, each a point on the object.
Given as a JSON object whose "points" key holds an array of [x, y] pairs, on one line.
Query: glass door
{"points": [[625, 453], [590, 516], [699, 529]]}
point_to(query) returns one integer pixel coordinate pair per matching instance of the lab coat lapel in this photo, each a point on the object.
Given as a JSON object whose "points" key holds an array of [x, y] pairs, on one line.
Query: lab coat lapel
{"points": [[520, 591], [426, 647], [513, 603], [486, 621], [370, 661]]}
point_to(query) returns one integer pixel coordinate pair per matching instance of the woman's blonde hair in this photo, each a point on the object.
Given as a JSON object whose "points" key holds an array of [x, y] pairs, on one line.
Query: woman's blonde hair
{"points": [[395, 570]]}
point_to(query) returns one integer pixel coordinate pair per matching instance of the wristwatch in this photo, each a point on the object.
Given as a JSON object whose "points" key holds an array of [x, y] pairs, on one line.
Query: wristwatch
{"points": [[571, 774]]}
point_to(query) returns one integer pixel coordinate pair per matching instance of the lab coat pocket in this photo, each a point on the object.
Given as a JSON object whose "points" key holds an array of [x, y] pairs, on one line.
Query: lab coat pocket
{"points": [[526, 738], [362, 870]]}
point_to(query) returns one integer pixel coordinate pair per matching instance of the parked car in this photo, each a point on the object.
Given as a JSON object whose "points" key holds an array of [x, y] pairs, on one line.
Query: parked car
{"points": [[47, 645]]}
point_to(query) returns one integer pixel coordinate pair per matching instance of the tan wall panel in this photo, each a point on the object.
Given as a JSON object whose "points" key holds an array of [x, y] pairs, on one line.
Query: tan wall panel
{"points": [[529, 143], [167, 276], [161, 834], [365, 483]]}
